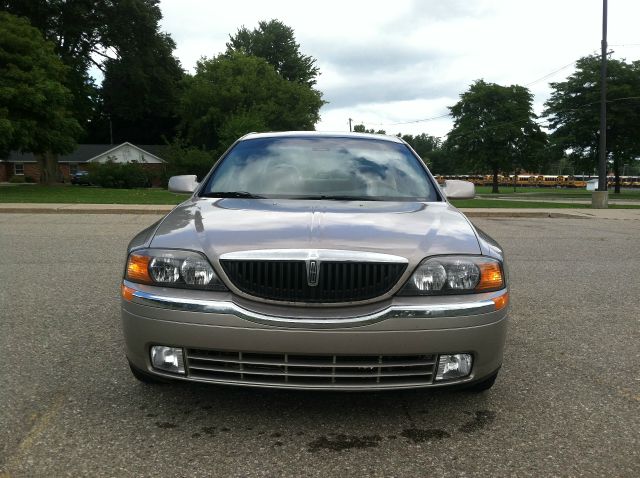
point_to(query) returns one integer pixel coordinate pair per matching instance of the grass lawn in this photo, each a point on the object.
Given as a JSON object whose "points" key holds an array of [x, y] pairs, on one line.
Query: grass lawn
{"points": [[86, 195], [491, 203], [549, 193], [94, 195]]}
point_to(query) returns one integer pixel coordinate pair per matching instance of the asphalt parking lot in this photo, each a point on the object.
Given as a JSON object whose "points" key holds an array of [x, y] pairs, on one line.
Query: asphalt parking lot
{"points": [[567, 402]]}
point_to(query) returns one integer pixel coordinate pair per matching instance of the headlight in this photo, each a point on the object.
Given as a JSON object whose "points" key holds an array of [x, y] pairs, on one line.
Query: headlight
{"points": [[455, 275], [172, 268]]}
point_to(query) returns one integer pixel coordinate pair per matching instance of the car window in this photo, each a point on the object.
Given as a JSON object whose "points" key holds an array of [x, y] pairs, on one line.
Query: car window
{"points": [[311, 168]]}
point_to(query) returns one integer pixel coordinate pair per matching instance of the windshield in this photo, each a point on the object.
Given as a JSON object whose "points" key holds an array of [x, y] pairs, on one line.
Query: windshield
{"points": [[321, 168]]}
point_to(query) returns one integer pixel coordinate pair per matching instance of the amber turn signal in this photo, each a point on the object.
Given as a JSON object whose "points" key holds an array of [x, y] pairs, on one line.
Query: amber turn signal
{"points": [[501, 301], [138, 268], [127, 292], [490, 276]]}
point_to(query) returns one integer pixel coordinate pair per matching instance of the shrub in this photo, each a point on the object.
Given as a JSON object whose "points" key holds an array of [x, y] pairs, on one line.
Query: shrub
{"points": [[119, 175], [183, 159], [29, 179], [17, 179]]}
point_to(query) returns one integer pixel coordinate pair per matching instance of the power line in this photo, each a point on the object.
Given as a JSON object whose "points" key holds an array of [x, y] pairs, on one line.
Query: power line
{"points": [[551, 74], [578, 108], [370, 123], [540, 123], [625, 98], [545, 123], [423, 120]]}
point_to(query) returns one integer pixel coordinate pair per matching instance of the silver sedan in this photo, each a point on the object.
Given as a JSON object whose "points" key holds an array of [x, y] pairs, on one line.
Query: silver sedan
{"points": [[316, 261]]}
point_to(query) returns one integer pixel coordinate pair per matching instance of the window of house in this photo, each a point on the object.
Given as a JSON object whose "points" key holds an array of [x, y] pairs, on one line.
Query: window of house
{"points": [[73, 168], [18, 169]]}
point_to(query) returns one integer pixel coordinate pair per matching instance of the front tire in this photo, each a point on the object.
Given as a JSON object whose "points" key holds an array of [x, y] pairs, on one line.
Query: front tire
{"points": [[483, 385]]}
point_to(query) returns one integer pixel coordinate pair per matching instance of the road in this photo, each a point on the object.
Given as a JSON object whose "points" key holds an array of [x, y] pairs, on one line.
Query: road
{"points": [[567, 402]]}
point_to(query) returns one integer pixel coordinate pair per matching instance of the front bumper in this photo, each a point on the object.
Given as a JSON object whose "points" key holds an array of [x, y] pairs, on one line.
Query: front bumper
{"points": [[395, 330]]}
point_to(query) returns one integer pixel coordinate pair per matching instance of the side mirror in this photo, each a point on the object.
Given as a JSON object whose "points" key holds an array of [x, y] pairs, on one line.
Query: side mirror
{"points": [[456, 189], [183, 184]]}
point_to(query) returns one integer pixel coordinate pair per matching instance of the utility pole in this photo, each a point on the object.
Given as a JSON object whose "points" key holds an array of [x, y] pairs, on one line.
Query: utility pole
{"points": [[600, 198], [350, 120]]}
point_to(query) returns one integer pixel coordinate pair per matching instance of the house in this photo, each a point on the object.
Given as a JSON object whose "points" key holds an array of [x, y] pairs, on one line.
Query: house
{"points": [[26, 165]]}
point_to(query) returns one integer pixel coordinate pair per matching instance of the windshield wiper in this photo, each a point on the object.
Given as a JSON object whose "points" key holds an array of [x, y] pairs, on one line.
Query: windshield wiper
{"points": [[339, 197], [232, 194]]}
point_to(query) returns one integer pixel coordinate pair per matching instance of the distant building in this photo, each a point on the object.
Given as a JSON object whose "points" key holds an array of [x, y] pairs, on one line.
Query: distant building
{"points": [[25, 164]]}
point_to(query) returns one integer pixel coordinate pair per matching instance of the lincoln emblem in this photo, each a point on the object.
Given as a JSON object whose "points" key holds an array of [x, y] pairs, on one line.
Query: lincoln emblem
{"points": [[312, 273]]}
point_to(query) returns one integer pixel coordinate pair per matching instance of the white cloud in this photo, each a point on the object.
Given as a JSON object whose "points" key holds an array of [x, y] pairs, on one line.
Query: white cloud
{"points": [[393, 62]]}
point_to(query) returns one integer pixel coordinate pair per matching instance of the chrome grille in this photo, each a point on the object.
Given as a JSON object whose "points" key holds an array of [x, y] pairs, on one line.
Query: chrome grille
{"points": [[321, 371], [338, 281]]}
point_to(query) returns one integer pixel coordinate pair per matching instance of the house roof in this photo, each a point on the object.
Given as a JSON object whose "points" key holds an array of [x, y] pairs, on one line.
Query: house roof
{"points": [[85, 152], [126, 143]]}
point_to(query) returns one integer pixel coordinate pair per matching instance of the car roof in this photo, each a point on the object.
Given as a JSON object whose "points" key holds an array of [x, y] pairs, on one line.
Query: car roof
{"points": [[321, 134]]}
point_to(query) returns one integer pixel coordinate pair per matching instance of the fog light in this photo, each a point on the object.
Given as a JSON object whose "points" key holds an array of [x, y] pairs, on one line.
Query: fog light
{"points": [[454, 366], [169, 359]]}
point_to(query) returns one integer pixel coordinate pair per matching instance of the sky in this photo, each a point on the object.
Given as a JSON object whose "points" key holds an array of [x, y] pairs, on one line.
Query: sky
{"points": [[397, 65]]}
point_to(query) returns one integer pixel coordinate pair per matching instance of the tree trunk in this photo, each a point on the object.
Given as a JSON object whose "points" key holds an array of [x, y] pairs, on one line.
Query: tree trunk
{"points": [[616, 172], [48, 168], [495, 181]]}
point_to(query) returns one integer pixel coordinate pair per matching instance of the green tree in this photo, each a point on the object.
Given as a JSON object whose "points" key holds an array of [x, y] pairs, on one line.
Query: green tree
{"points": [[184, 159], [423, 143], [443, 160], [74, 30], [123, 39], [360, 128], [35, 106], [231, 95], [275, 42], [494, 128], [574, 113], [140, 94]]}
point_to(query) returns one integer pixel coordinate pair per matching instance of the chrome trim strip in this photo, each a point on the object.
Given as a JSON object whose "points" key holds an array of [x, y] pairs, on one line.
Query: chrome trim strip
{"points": [[392, 312], [367, 387], [308, 254]]}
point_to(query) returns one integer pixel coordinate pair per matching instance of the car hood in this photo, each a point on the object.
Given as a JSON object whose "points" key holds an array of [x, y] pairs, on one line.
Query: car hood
{"points": [[412, 230]]}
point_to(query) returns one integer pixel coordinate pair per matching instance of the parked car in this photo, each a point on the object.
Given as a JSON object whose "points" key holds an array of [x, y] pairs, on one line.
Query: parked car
{"points": [[80, 177], [316, 261]]}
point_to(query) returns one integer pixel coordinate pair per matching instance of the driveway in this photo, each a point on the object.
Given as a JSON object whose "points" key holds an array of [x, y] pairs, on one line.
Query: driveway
{"points": [[566, 403]]}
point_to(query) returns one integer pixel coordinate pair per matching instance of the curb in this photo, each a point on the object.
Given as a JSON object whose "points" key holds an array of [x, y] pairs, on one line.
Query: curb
{"points": [[524, 214], [158, 210], [85, 211], [161, 209]]}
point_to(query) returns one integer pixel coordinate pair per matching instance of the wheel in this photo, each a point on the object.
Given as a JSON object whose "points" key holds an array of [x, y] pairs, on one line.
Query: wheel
{"points": [[144, 377], [485, 384]]}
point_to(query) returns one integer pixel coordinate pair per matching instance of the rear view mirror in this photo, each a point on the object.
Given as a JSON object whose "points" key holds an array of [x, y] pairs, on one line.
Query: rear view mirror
{"points": [[456, 189], [183, 184]]}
